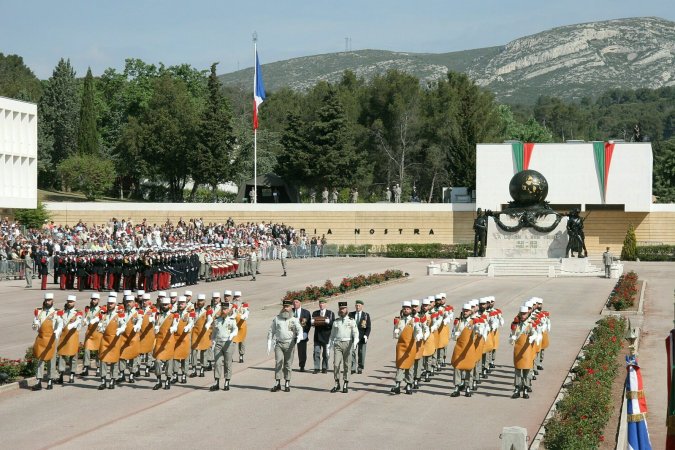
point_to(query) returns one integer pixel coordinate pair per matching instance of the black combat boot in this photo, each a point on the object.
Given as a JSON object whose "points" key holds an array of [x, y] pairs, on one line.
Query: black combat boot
{"points": [[157, 385], [287, 386], [276, 387], [226, 387], [336, 388], [396, 389], [102, 385], [345, 387], [516, 393], [50, 384], [215, 386], [37, 386]]}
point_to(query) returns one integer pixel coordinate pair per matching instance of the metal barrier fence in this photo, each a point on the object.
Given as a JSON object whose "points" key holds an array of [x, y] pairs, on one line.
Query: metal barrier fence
{"points": [[11, 270]]}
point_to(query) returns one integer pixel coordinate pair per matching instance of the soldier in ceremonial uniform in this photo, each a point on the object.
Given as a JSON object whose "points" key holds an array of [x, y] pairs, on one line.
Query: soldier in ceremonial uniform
{"points": [[305, 318], [322, 320], [69, 343], [421, 324], [545, 319], [215, 307], [284, 333], [428, 319], [48, 328], [464, 357], [111, 325], [166, 324], [130, 346], [363, 324], [343, 337], [446, 316], [92, 337], [201, 336], [496, 322], [408, 335], [147, 334], [224, 331], [523, 336], [242, 318], [182, 342]]}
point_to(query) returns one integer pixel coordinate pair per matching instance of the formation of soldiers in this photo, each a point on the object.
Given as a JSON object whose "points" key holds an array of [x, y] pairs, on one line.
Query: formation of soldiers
{"points": [[148, 270], [176, 337], [172, 336], [423, 331]]}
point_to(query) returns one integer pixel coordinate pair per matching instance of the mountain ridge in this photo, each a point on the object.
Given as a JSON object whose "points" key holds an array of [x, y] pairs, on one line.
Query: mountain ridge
{"points": [[571, 61]]}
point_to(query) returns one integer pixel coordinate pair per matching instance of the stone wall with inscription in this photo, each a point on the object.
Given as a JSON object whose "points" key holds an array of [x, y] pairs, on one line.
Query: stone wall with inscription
{"points": [[527, 242]]}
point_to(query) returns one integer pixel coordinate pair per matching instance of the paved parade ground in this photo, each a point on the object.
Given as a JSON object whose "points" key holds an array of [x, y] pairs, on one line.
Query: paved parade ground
{"points": [[309, 416]]}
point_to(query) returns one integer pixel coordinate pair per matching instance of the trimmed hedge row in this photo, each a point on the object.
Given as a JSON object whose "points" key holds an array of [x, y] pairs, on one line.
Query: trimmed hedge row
{"points": [[437, 251], [656, 253], [583, 413], [16, 369]]}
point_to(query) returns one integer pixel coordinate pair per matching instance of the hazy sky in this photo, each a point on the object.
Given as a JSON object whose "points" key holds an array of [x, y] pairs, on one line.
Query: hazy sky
{"points": [[102, 34]]}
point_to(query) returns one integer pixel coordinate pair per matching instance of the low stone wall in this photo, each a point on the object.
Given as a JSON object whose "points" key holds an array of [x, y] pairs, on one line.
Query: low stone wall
{"points": [[368, 223]]}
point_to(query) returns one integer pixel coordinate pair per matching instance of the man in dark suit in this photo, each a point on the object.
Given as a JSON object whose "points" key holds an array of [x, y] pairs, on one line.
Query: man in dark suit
{"points": [[362, 319], [322, 320], [305, 318]]}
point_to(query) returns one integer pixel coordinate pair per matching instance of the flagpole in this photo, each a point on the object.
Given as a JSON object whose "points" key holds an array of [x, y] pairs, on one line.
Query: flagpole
{"points": [[255, 129]]}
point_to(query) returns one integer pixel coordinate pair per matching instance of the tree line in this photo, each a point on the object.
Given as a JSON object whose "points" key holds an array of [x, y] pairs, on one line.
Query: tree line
{"points": [[149, 130]]}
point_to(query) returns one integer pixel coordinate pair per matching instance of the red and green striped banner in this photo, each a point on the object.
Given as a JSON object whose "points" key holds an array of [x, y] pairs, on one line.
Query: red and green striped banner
{"points": [[522, 152], [603, 158]]}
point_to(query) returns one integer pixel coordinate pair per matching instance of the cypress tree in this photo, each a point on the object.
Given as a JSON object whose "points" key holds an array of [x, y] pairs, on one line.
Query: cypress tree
{"points": [[87, 135]]}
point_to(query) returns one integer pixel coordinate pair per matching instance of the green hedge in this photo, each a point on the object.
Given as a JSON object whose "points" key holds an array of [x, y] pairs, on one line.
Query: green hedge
{"points": [[438, 251], [656, 253], [583, 413]]}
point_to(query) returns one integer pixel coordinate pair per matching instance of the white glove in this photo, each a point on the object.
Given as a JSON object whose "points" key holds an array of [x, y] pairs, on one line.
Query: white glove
{"points": [[57, 333], [397, 332], [244, 315], [138, 325], [188, 327], [447, 320], [365, 339], [327, 321], [119, 331], [299, 338], [512, 339], [35, 326], [71, 325], [426, 334], [312, 321], [209, 322], [434, 327], [156, 329], [419, 337], [532, 338], [173, 329], [269, 346], [151, 319]]}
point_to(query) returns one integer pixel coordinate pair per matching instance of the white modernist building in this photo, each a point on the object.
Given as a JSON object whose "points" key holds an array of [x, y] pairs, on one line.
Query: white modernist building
{"points": [[18, 154], [593, 175]]}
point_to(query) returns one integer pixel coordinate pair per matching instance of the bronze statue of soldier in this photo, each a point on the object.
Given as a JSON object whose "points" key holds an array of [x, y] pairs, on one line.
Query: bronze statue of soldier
{"points": [[480, 226], [575, 232]]}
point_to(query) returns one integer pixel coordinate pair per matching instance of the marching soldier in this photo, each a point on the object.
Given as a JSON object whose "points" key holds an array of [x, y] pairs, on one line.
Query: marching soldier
{"points": [[147, 333], [201, 336], [48, 329], [111, 325], [446, 316], [408, 335], [92, 337], [284, 333], [523, 336], [363, 325], [305, 318], [421, 321], [224, 331], [343, 337], [182, 342], [71, 322], [497, 321], [242, 318], [545, 318], [130, 346], [166, 324], [322, 320], [488, 344], [429, 339], [466, 330]]}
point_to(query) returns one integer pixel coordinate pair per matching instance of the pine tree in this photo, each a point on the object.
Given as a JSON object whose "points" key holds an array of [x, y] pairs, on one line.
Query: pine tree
{"points": [[210, 163], [87, 136], [58, 108], [294, 164]]}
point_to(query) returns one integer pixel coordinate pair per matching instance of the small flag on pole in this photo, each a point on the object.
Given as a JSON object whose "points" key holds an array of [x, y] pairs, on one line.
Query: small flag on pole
{"points": [[258, 91], [636, 414], [670, 413]]}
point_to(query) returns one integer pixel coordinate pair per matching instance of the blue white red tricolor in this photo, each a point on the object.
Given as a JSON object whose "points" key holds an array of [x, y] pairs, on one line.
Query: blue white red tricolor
{"points": [[638, 434], [258, 91]]}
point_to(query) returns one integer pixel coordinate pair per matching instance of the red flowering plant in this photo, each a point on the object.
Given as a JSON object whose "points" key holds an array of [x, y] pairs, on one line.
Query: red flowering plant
{"points": [[624, 292], [313, 293], [583, 413]]}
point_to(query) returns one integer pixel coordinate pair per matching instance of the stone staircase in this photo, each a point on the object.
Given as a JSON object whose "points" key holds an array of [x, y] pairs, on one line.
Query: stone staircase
{"points": [[542, 267]]}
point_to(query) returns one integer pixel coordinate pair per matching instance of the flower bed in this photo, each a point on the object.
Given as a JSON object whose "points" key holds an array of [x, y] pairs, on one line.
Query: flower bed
{"points": [[313, 293], [624, 292], [582, 414], [16, 369]]}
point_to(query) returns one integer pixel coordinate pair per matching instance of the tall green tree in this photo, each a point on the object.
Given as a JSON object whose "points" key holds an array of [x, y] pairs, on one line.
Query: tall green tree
{"points": [[17, 80], [337, 160], [59, 108], [169, 134], [210, 163], [529, 131], [295, 163], [664, 171], [87, 135]]}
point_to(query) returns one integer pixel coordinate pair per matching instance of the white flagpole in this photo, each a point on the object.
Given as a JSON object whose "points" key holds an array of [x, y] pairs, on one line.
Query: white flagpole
{"points": [[255, 129]]}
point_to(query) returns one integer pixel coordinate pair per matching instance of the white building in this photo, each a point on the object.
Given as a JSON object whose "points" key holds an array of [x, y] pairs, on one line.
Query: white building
{"points": [[609, 176], [18, 154]]}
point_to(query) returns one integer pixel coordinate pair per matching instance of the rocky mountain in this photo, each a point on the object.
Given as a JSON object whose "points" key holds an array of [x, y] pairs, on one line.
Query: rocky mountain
{"points": [[571, 62]]}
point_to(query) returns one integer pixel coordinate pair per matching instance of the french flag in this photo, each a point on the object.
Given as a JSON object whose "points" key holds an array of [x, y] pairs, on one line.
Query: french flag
{"points": [[636, 411], [258, 90]]}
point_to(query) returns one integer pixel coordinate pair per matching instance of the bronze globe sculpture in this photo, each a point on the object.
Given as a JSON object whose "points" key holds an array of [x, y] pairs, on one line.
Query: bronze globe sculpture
{"points": [[528, 188]]}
